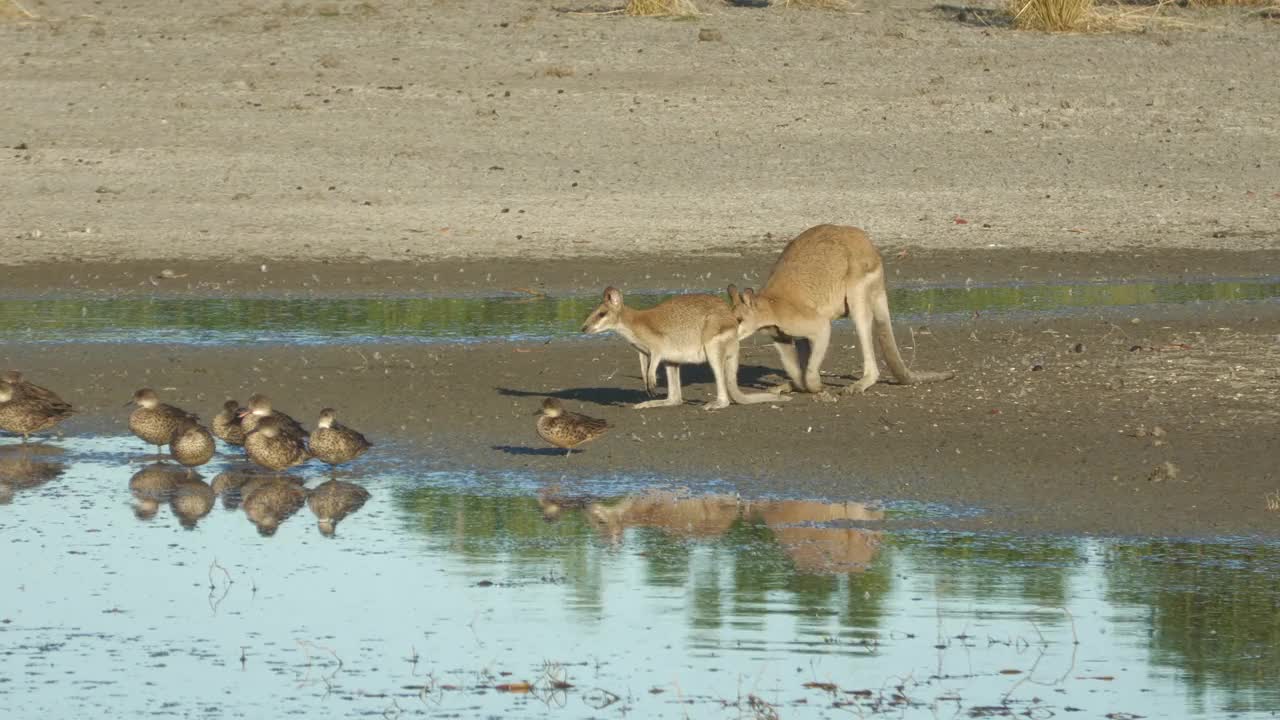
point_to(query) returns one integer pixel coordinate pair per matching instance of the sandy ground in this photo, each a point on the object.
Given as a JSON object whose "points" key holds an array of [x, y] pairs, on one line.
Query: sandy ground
{"points": [[420, 130], [1071, 447], [372, 148]]}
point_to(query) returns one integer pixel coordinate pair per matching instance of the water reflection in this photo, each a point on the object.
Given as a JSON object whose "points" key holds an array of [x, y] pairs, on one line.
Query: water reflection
{"points": [[28, 466], [191, 499], [440, 585], [417, 319], [152, 485], [333, 500], [270, 501]]}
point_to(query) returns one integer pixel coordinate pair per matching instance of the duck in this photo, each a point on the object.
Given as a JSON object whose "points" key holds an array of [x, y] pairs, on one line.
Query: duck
{"points": [[24, 412], [226, 424], [29, 389], [259, 408], [153, 421], [567, 430], [332, 501], [272, 502], [190, 500], [191, 444], [270, 445], [334, 443]]}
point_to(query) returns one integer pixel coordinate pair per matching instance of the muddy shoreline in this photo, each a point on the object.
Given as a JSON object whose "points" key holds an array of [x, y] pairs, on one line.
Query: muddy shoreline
{"points": [[905, 265], [1070, 447]]}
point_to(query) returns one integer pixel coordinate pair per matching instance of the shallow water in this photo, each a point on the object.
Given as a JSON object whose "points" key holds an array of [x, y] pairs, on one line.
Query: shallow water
{"points": [[453, 319], [645, 600]]}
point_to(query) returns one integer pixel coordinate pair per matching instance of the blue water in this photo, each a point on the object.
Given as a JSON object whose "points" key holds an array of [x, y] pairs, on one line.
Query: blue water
{"points": [[610, 598]]}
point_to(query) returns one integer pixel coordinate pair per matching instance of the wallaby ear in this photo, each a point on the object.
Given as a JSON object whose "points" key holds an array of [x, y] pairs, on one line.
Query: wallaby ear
{"points": [[734, 297], [612, 297], [749, 297]]}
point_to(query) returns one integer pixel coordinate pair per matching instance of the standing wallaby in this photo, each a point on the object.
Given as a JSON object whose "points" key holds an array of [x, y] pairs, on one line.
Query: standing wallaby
{"points": [[825, 273], [686, 329]]}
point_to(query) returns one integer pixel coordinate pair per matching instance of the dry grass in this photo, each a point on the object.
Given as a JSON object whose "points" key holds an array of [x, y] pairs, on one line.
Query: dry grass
{"points": [[1229, 3], [662, 8], [1050, 15], [13, 10], [816, 4], [558, 71], [1273, 501], [1088, 16]]}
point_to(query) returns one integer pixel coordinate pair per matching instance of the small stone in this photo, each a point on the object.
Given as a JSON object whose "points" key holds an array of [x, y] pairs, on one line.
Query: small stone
{"points": [[1164, 471], [1077, 348], [709, 35], [1158, 431]]}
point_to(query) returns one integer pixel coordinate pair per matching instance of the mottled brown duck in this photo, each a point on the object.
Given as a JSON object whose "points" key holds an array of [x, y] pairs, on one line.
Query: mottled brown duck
{"points": [[226, 424], [271, 447], [192, 499], [153, 421], [259, 409], [271, 502], [332, 501], [334, 443], [567, 430], [25, 414], [192, 444], [25, 388]]}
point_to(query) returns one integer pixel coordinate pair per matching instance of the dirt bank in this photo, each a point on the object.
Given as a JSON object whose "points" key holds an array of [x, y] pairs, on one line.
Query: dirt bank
{"points": [[1069, 447], [388, 129]]}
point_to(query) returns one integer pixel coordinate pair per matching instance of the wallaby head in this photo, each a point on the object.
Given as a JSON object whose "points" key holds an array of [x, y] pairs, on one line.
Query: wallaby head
{"points": [[607, 315], [750, 311]]}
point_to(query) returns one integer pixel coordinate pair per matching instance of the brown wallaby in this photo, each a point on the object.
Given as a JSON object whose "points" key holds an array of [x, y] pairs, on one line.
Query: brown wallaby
{"points": [[686, 329], [825, 273]]}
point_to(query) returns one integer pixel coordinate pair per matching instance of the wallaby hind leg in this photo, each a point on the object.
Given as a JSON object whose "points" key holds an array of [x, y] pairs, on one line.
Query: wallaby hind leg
{"points": [[674, 396], [863, 315], [790, 358], [722, 355], [817, 352]]}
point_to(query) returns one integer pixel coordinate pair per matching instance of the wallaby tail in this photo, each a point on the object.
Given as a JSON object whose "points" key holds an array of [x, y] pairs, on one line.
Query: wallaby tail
{"points": [[889, 345]]}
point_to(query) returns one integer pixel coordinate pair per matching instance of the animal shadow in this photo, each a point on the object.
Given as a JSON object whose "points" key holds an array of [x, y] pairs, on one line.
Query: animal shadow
{"points": [[749, 376], [527, 451]]}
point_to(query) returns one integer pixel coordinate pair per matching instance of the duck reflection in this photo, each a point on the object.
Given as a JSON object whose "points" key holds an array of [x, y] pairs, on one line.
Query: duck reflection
{"points": [[269, 501], [553, 502], [332, 501], [23, 467], [815, 535], [230, 483], [191, 499], [152, 485]]}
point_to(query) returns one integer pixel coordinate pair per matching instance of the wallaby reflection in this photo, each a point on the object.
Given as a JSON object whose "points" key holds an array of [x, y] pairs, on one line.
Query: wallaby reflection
{"points": [[332, 501], [685, 516], [270, 501], [821, 549], [801, 527], [152, 485], [23, 467]]}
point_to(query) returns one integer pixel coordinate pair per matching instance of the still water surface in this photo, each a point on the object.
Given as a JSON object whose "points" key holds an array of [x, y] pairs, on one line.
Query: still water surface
{"points": [[614, 598], [465, 319]]}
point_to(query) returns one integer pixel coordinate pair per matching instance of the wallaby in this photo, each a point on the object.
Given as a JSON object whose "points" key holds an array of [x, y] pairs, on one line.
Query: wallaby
{"points": [[686, 329], [825, 273]]}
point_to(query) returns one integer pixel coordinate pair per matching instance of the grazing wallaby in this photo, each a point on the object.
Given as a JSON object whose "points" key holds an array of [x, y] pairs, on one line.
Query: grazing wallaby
{"points": [[686, 329], [825, 273]]}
